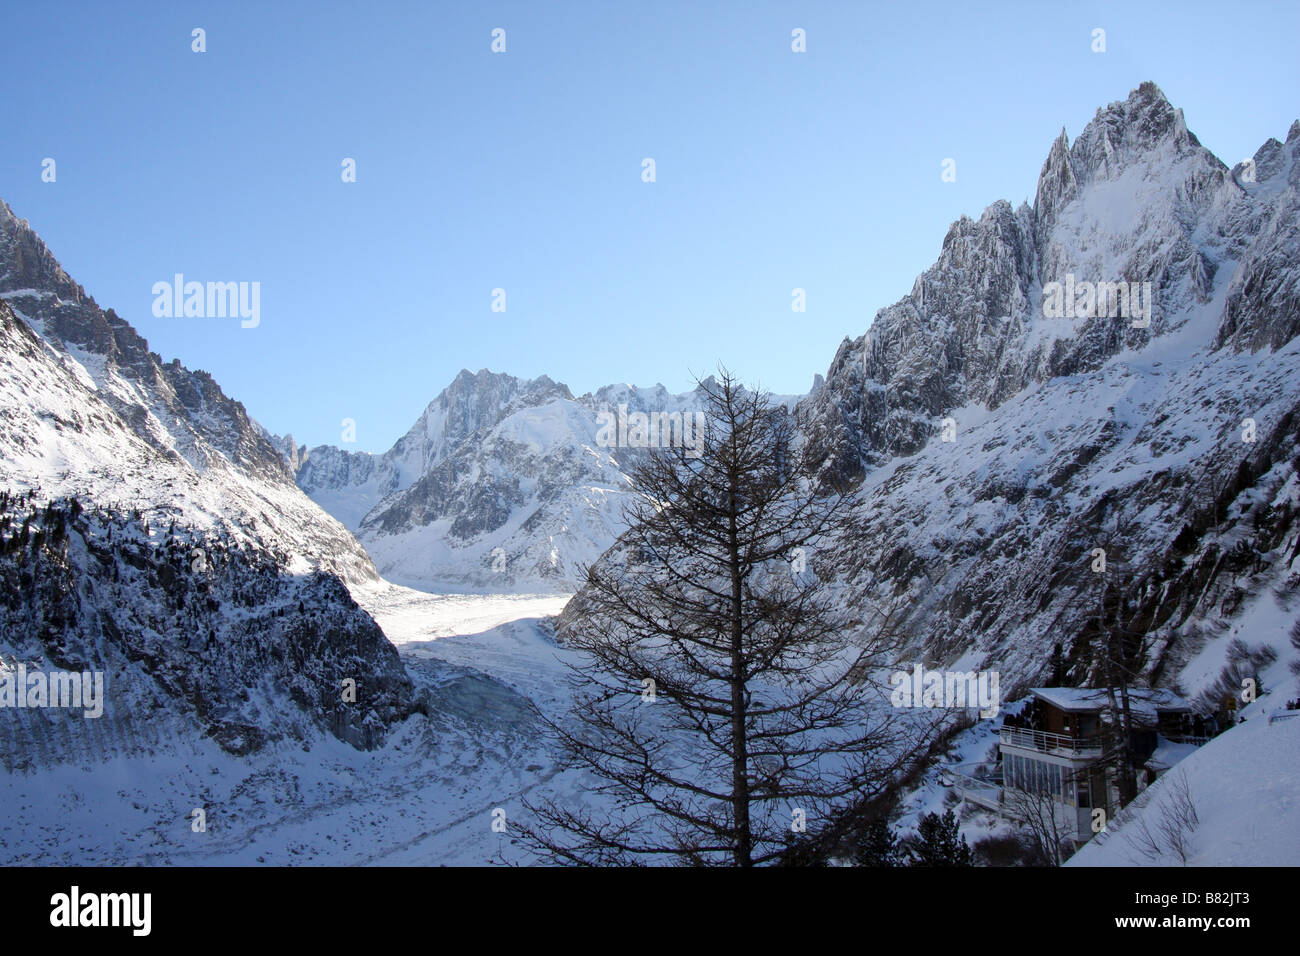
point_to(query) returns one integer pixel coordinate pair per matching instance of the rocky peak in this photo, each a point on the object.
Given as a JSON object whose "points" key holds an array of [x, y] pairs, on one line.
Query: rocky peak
{"points": [[972, 330], [27, 262], [1057, 185], [471, 404], [174, 409], [1142, 129], [1129, 130]]}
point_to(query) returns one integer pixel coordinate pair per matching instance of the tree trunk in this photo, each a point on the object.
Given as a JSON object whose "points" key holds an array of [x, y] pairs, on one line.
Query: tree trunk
{"points": [[739, 742]]}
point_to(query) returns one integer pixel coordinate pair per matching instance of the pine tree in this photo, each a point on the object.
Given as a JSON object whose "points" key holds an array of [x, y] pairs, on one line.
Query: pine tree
{"points": [[879, 846], [940, 843], [1058, 667]]}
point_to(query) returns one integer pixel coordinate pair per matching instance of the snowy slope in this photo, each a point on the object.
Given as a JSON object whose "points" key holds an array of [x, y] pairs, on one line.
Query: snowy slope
{"points": [[180, 414], [1245, 787]]}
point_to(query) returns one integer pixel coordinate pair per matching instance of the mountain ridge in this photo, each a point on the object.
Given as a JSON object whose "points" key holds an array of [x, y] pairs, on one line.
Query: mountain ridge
{"points": [[501, 482], [993, 448]]}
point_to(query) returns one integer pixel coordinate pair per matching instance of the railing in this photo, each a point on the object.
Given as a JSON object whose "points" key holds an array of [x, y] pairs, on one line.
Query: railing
{"points": [[1048, 742], [987, 793]]}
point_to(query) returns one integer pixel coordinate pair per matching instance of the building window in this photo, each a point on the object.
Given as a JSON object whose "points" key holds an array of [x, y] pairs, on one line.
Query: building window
{"points": [[1036, 776]]}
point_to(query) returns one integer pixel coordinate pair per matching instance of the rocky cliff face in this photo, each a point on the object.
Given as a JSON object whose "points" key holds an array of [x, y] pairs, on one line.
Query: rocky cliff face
{"points": [[1135, 199], [196, 635], [197, 576]]}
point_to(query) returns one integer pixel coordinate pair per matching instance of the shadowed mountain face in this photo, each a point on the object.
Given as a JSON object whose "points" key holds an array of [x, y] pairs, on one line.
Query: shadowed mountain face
{"points": [[996, 440], [151, 532]]}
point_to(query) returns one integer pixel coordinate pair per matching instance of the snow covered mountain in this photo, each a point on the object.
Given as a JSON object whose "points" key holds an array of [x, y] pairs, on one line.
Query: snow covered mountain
{"points": [[350, 484], [996, 429], [151, 533], [502, 483], [995, 445]]}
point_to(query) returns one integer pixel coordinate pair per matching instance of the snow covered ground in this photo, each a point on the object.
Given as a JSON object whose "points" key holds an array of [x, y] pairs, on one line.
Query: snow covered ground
{"points": [[425, 798], [499, 635], [1244, 786]]}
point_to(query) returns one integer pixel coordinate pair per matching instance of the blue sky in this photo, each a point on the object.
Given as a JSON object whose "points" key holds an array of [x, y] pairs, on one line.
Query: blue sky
{"points": [[522, 171]]}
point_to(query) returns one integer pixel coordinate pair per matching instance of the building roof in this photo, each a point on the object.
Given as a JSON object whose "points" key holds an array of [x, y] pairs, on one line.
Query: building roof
{"points": [[1088, 700]]}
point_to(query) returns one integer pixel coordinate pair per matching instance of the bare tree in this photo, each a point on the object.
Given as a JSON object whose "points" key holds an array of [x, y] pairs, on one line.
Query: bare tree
{"points": [[1046, 820], [720, 701], [1178, 817], [1171, 833]]}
